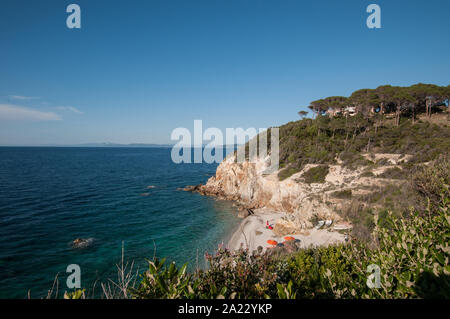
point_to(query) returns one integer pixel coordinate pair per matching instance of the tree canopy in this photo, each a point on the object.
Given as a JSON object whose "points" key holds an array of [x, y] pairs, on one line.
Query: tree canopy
{"points": [[417, 98]]}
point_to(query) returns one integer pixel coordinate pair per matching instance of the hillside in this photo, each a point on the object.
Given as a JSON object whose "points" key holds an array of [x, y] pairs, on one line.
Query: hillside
{"points": [[347, 169], [386, 177]]}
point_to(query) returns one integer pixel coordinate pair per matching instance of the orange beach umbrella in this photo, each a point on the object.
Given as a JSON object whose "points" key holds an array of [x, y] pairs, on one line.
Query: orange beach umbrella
{"points": [[289, 238], [272, 242]]}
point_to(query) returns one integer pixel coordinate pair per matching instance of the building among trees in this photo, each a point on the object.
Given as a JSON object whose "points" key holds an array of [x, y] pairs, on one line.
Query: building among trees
{"points": [[392, 101]]}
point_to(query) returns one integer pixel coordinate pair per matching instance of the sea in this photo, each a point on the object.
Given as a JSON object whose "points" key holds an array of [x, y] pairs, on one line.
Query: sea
{"points": [[116, 198]]}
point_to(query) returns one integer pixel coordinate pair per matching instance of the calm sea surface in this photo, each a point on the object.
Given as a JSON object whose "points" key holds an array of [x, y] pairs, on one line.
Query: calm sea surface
{"points": [[50, 196]]}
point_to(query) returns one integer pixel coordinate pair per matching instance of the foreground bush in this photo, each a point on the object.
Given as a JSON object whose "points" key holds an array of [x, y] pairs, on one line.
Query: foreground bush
{"points": [[433, 180]]}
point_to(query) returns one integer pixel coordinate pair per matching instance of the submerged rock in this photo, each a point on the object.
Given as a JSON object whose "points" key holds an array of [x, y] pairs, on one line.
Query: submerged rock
{"points": [[82, 242], [192, 188]]}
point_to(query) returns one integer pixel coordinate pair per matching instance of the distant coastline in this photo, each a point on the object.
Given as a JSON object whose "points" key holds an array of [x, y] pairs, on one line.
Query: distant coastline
{"points": [[112, 145], [95, 145]]}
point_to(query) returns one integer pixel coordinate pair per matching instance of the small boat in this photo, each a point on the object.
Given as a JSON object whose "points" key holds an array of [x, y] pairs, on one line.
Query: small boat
{"points": [[288, 238], [328, 222], [272, 242], [320, 224]]}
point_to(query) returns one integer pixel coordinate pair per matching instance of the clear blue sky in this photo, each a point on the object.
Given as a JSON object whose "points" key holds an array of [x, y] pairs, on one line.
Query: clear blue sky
{"points": [[138, 69]]}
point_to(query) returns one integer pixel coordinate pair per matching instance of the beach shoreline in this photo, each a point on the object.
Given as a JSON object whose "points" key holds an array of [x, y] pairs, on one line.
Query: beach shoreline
{"points": [[252, 232]]}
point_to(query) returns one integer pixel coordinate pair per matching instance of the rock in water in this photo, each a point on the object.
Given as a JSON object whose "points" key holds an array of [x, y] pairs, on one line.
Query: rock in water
{"points": [[192, 188], [81, 242]]}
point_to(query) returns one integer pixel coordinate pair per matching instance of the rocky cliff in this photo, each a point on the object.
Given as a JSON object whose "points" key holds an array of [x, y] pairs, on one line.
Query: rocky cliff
{"points": [[246, 184]]}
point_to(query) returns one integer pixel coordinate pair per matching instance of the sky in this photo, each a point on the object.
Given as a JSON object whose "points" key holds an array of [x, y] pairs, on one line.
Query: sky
{"points": [[136, 70]]}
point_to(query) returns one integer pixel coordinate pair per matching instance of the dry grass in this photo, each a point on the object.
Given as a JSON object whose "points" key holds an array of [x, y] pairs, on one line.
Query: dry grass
{"points": [[126, 279]]}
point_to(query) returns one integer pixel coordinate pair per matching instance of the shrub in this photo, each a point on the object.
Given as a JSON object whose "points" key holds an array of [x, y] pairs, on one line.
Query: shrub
{"points": [[246, 274], [367, 174], [433, 181], [287, 172], [316, 174], [343, 194], [352, 159], [230, 274], [393, 173]]}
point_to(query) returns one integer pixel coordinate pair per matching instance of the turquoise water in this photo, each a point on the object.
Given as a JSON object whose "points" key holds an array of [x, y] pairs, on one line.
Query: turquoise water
{"points": [[50, 196]]}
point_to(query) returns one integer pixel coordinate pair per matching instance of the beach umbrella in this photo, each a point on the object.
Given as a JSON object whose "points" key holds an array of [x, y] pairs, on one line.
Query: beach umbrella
{"points": [[272, 242], [289, 238]]}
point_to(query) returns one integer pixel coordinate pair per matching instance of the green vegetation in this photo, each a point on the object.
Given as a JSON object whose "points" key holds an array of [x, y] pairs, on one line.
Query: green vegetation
{"points": [[316, 174], [343, 194], [367, 174], [325, 139], [287, 172], [337, 135], [433, 180], [387, 99], [393, 173], [383, 121]]}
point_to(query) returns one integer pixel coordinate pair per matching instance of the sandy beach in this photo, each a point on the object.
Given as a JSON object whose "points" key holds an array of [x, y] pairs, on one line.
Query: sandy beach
{"points": [[252, 233]]}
